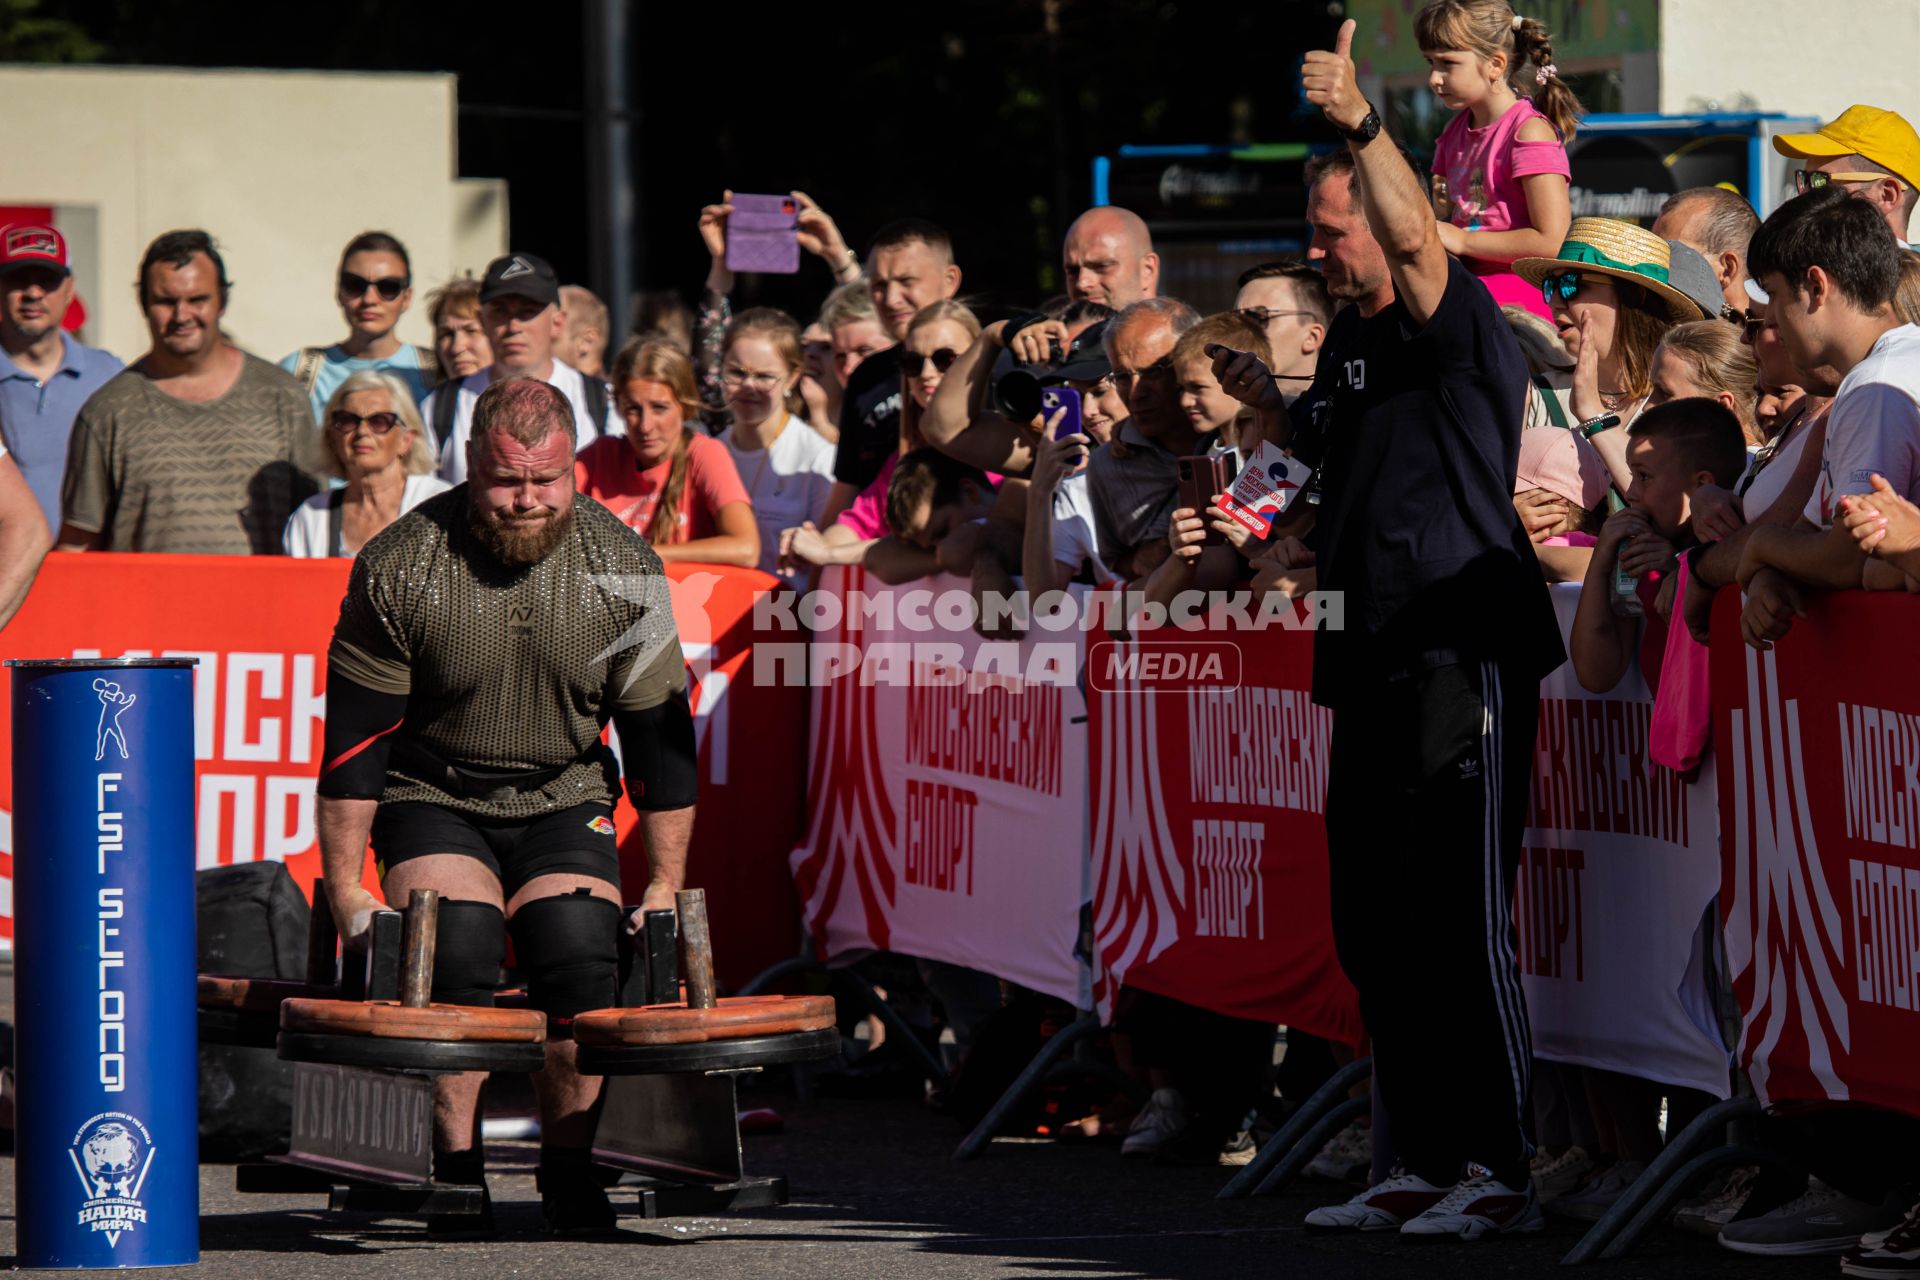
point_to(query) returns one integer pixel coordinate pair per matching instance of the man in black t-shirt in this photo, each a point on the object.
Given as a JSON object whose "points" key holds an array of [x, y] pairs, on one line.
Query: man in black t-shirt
{"points": [[909, 266], [1434, 681]]}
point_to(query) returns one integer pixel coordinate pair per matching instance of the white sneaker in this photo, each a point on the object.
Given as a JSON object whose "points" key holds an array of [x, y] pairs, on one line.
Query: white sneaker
{"points": [[1591, 1202], [1159, 1122], [1557, 1175], [1481, 1205], [1346, 1154], [1706, 1215], [1388, 1206]]}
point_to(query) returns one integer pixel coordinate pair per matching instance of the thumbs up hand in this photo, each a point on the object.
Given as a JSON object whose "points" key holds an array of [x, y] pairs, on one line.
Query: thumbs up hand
{"points": [[1328, 79]]}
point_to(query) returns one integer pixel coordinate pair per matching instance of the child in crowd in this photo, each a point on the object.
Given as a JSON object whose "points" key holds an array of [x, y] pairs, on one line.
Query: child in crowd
{"points": [[1673, 449], [1500, 175], [1215, 414], [1560, 490]]}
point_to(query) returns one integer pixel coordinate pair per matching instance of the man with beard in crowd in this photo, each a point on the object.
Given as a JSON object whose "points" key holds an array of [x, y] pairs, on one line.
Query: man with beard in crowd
{"points": [[486, 639]]}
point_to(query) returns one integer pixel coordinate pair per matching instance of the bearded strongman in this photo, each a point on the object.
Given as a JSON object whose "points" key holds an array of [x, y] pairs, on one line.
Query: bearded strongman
{"points": [[486, 639]]}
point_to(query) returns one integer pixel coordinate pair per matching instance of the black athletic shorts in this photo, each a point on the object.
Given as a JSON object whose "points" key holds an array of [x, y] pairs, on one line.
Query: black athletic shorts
{"points": [[577, 841]]}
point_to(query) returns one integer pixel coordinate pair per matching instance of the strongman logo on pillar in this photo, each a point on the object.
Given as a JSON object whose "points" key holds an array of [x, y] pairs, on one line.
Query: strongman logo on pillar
{"points": [[113, 704], [112, 1154]]}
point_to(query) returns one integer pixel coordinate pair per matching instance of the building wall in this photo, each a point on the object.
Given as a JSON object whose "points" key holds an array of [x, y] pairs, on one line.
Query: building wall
{"points": [[283, 168]]}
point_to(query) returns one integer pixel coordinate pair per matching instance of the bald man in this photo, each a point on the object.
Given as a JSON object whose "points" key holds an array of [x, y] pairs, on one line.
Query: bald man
{"points": [[1109, 258]]}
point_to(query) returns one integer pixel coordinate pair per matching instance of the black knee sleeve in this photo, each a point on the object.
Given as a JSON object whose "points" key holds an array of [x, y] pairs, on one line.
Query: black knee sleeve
{"points": [[468, 947], [567, 948]]}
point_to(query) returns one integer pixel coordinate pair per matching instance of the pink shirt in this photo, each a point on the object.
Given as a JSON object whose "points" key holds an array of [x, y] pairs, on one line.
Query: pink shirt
{"points": [[1483, 169], [607, 472], [866, 515]]}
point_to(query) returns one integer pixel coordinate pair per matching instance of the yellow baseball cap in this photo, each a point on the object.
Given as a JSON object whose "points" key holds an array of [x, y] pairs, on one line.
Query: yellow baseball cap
{"points": [[1881, 136]]}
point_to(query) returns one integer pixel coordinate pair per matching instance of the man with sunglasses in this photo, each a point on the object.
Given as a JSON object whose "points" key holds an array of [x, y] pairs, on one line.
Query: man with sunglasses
{"points": [[1871, 152], [46, 373], [1290, 301], [195, 448], [374, 288]]}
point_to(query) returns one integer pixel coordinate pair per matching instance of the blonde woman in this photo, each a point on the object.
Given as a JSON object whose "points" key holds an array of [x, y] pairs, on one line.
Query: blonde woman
{"points": [[370, 436], [677, 486]]}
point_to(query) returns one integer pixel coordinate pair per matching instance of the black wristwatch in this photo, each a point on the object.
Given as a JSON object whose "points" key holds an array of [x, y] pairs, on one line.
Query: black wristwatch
{"points": [[1368, 129]]}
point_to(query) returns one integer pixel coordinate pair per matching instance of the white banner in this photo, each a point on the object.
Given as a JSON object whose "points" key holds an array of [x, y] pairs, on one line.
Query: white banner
{"points": [[1620, 866], [947, 798]]}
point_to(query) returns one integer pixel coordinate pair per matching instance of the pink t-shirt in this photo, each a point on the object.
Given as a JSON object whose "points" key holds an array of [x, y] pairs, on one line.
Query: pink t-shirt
{"points": [[1483, 169], [607, 472], [866, 515]]}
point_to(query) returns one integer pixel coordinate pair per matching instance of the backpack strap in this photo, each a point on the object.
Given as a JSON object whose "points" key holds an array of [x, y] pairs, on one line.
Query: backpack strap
{"points": [[430, 375], [307, 371], [446, 404], [336, 500], [594, 392], [1555, 410]]}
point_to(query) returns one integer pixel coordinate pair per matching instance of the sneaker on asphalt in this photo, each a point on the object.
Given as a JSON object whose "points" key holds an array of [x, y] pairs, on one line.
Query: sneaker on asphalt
{"points": [[1557, 1175], [1591, 1202], [1481, 1205], [1386, 1207], [1895, 1252], [1706, 1214], [1820, 1220], [572, 1199], [1162, 1119], [1347, 1152]]}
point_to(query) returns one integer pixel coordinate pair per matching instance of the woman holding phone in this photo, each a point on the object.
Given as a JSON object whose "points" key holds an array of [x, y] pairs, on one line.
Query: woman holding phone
{"points": [[786, 465], [677, 486], [935, 339]]}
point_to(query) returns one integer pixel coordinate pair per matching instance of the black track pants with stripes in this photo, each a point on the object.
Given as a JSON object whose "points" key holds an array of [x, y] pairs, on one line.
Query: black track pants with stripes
{"points": [[1426, 806]]}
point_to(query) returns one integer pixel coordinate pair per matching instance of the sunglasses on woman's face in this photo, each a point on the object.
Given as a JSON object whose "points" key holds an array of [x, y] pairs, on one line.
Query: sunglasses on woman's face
{"points": [[389, 287], [912, 363], [1561, 286], [378, 423]]}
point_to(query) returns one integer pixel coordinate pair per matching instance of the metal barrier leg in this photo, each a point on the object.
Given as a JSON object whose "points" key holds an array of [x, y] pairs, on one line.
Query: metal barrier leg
{"points": [[1676, 1186], [1324, 1099], [1309, 1146], [767, 977], [897, 1028], [1706, 1131], [1030, 1078]]}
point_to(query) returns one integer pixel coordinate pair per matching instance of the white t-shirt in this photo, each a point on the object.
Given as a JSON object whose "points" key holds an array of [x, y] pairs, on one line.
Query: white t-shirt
{"points": [[1873, 426], [453, 451], [307, 528], [1772, 480], [788, 482], [1073, 538]]}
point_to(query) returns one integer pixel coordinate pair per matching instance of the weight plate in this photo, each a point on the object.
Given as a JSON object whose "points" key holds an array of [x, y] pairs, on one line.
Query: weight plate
{"points": [[411, 1055], [711, 1055]]}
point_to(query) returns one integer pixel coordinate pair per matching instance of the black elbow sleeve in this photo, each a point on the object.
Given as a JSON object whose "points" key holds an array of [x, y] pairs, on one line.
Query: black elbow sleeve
{"points": [[658, 752], [360, 725]]}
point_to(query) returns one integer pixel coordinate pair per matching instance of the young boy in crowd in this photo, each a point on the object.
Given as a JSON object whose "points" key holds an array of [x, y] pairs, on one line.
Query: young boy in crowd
{"points": [[1215, 415], [1672, 450]]}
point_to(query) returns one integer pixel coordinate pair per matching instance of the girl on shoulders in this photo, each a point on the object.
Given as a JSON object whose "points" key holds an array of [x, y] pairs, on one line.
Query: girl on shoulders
{"points": [[1500, 175]]}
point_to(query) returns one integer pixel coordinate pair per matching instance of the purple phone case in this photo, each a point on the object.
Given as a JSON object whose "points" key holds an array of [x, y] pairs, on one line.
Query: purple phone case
{"points": [[1055, 398], [763, 235]]}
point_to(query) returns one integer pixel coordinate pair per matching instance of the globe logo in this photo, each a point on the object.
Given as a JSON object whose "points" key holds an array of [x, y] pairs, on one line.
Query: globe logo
{"points": [[112, 1156]]}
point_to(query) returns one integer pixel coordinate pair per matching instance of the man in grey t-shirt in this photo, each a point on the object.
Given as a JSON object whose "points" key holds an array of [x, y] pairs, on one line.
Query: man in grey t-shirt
{"points": [[195, 448]]}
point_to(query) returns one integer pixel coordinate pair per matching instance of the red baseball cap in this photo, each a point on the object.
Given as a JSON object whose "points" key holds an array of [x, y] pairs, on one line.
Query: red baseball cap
{"points": [[30, 244]]}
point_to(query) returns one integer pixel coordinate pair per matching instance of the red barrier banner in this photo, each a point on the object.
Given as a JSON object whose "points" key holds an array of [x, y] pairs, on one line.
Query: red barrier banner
{"points": [[948, 797], [260, 627], [1209, 767], [1819, 746]]}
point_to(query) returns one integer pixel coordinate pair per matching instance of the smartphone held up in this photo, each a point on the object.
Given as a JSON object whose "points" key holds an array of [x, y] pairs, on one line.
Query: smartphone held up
{"points": [[1201, 477], [1064, 401], [763, 234]]}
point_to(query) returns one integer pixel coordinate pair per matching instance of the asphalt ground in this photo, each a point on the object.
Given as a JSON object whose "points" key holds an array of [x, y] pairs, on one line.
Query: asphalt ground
{"points": [[876, 1193]]}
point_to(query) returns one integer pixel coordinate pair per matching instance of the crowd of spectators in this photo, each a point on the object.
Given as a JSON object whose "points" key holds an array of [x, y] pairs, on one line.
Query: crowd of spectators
{"points": [[1713, 401]]}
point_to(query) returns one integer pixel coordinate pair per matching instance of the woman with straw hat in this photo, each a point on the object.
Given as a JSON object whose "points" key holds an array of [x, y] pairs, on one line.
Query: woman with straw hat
{"points": [[1612, 299]]}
